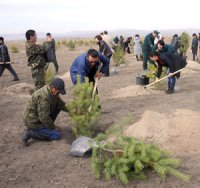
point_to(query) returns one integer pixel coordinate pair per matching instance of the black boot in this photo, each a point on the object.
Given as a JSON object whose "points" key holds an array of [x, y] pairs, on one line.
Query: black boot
{"points": [[170, 91], [28, 134], [137, 58], [25, 138]]}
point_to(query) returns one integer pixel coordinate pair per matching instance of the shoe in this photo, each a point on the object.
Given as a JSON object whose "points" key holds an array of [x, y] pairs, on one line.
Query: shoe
{"points": [[16, 79], [170, 91], [25, 138]]}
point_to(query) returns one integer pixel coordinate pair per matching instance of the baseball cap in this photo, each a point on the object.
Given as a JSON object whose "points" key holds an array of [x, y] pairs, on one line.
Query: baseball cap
{"points": [[58, 84], [156, 32]]}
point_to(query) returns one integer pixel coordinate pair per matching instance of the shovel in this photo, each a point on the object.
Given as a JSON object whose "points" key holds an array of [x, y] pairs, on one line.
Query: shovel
{"points": [[164, 77], [94, 92]]}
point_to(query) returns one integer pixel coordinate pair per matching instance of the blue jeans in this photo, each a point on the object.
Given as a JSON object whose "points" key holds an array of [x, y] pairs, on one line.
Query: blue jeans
{"points": [[45, 134], [171, 81]]}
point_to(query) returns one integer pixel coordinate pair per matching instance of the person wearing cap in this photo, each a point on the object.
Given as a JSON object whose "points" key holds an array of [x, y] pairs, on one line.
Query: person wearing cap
{"points": [[161, 47], [41, 112], [4, 57], [37, 58], [87, 65], [51, 53], [147, 47]]}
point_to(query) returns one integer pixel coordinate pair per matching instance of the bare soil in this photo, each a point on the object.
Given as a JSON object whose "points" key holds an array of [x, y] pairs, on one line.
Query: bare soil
{"points": [[171, 121]]}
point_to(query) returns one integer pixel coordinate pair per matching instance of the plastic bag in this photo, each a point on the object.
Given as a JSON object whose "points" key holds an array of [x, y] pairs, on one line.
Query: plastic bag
{"points": [[82, 147]]}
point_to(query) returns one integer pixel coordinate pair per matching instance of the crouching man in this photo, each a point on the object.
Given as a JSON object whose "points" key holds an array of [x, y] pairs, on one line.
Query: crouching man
{"points": [[173, 63], [41, 112]]}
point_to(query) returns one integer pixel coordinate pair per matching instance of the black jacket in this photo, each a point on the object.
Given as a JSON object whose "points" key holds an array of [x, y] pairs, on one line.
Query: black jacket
{"points": [[195, 42], [172, 61], [50, 56], [104, 48], [4, 55]]}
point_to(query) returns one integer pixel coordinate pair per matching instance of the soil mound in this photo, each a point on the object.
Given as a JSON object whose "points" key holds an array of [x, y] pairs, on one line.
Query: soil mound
{"points": [[133, 91], [20, 89], [179, 131]]}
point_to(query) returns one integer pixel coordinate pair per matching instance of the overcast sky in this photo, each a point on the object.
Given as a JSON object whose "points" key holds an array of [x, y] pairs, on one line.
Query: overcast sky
{"points": [[60, 16]]}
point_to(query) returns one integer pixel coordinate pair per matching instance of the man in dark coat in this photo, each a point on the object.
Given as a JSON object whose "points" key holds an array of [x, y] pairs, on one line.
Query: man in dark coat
{"points": [[172, 62], [4, 59], [175, 43], [87, 65], [194, 46], [147, 47], [161, 47], [51, 53]]}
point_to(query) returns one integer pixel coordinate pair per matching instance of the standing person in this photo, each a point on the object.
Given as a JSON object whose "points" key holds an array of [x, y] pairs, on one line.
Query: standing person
{"points": [[4, 57], [194, 46], [175, 43], [36, 58], [137, 47], [87, 65], [51, 53], [173, 62], [41, 112], [126, 45], [107, 39], [104, 49], [121, 41], [161, 47], [147, 47]]}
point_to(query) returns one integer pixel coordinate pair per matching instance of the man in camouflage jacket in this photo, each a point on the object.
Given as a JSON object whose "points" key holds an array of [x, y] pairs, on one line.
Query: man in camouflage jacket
{"points": [[41, 112], [36, 58]]}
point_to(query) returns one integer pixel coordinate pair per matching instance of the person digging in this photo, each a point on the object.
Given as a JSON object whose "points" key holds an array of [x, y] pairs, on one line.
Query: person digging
{"points": [[41, 112], [173, 62]]}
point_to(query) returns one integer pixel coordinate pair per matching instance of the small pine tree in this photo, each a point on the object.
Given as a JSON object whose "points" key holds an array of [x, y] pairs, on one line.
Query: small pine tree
{"points": [[71, 45], [14, 49], [58, 44], [151, 73], [184, 41], [127, 158], [49, 75], [83, 119], [118, 56]]}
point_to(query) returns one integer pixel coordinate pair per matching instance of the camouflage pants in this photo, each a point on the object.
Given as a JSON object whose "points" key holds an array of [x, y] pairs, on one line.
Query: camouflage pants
{"points": [[38, 76]]}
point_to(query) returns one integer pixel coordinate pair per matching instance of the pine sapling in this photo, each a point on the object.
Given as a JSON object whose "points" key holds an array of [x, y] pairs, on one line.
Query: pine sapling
{"points": [[84, 120]]}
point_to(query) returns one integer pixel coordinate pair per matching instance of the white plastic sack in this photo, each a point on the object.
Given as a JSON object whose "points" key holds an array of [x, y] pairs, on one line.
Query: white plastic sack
{"points": [[82, 147]]}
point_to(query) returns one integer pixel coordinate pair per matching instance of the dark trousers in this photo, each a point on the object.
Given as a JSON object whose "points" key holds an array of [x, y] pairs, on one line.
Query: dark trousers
{"points": [[194, 55], [46, 133], [145, 59], [9, 67], [107, 73], [171, 81]]}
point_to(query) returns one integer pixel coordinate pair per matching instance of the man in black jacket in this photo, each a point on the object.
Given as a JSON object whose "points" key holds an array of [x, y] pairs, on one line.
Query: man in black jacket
{"points": [[51, 53], [4, 59], [172, 62], [194, 46]]}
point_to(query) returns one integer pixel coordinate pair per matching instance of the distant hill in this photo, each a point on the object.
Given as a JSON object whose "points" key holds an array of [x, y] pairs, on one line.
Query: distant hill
{"points": [[91, 34]]}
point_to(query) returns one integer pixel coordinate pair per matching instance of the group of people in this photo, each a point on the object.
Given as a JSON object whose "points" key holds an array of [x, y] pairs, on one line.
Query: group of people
{"points": [[45, 103]]}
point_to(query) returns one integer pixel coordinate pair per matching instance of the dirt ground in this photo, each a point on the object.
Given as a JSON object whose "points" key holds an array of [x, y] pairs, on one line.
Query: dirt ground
{"points": [[171, 121]]}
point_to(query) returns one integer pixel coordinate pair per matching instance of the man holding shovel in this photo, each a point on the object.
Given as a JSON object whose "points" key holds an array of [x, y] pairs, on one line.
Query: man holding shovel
{"points": [[87, 65], [173, 62]]}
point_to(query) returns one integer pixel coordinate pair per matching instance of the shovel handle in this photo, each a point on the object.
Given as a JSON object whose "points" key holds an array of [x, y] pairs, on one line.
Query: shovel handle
{"points": [[164, 77]]}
